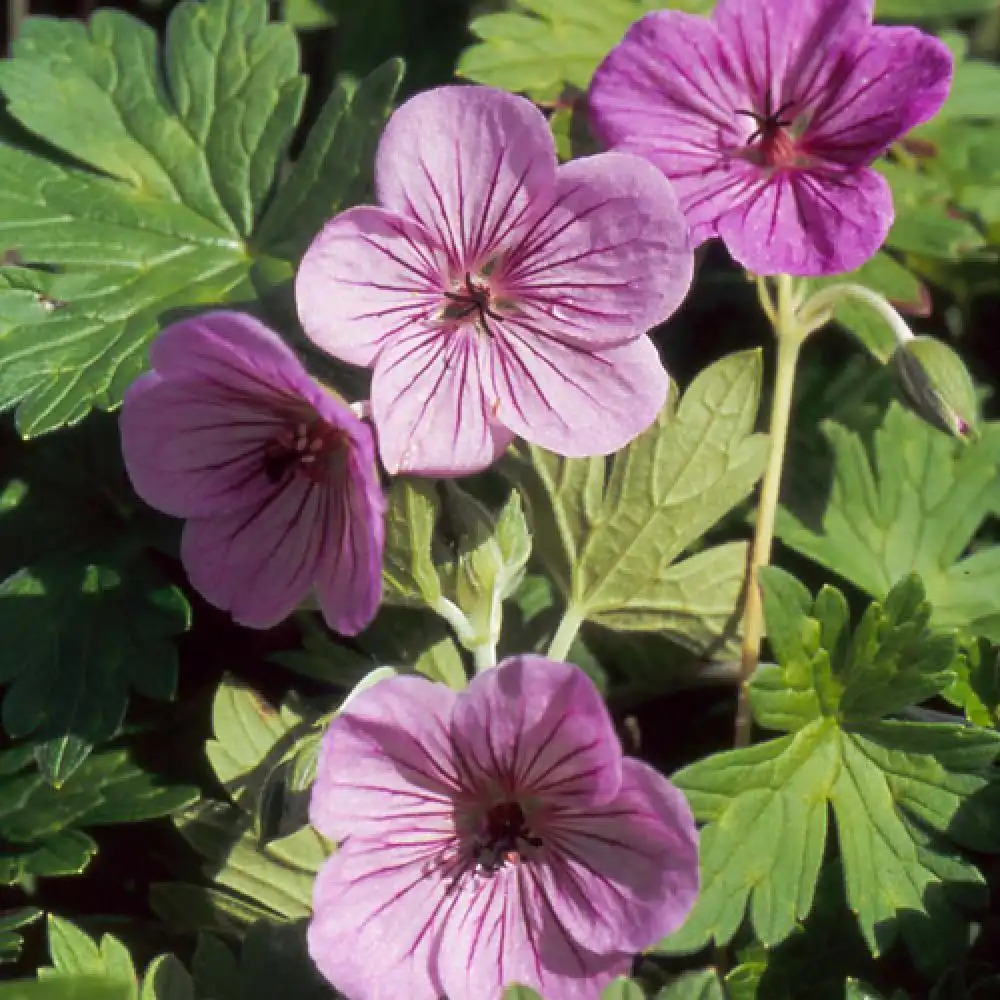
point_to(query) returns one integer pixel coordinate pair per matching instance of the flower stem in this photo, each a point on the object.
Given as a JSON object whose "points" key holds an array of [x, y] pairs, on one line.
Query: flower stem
{"points": [[484, 656], [789, 340], [565, 634]]}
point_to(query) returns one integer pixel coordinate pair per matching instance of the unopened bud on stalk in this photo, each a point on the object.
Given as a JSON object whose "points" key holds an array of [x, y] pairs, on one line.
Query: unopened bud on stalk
{"points": [[937, 384]]}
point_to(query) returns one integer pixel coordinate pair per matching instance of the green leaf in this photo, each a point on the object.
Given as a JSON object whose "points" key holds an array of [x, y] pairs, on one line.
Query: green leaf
{"points": [[701, 985], [256, 880], [167, 979], [520, 993], [11, 922], [914, 506], [930, 10], [40, 825], [247, 731], [322, 657], [153, 210], [334, 170], [83, 987], [215, 969], [623, 988], [75, 953], [612, 543], [540, 46], [906, 796], [78, 637], [442, 662], [69, 493], [275, 962], [409, 572]]}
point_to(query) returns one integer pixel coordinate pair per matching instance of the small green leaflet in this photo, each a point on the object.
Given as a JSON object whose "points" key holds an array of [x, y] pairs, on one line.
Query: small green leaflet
{"points": [[253, 881], [12, 922], [915, 506], [75, 954], [179, 156], [612, 541], [75, 987], [701, 985], [538, 47], [78, 636], [41, 826], [906, 796], [253, 754]]}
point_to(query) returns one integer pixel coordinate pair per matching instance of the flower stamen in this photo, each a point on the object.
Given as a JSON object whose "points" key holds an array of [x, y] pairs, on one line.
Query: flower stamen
{"points": [[474, 297], [307, 448], [505, 839]]}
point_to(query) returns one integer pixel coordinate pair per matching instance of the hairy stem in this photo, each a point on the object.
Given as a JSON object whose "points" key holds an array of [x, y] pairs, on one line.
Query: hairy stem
{"points": [[789, 339], [565, 634]]}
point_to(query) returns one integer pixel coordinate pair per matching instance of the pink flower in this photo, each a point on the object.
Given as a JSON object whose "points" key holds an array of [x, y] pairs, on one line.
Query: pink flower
{"points": [[766, 118], [276, 476], [489, 837], [495, 293]]}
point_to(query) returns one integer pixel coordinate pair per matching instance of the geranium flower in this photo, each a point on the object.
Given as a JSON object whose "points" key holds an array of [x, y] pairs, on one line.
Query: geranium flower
{"points": [[489, 837], [276, 476], [767, 117], [495, 293]]}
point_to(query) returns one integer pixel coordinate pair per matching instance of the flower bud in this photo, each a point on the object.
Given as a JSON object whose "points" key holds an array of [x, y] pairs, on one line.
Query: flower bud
{"points": [[937, 385]]}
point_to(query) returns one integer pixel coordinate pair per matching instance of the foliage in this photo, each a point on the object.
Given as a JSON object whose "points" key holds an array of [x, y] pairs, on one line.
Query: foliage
{"points": [[915, 506], [905, 795], [149, 175], [150, 199]]}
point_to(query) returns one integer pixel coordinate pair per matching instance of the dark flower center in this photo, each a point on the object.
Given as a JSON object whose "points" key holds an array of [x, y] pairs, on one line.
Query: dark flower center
{"points": [[504, 838], [771, 144], [473, 300], [306, 448]]}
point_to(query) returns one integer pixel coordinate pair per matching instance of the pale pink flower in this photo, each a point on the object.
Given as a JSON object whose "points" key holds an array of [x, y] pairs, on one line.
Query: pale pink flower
{"points": [[492, 836], [766, 118], [495, 293], [276, 477]]}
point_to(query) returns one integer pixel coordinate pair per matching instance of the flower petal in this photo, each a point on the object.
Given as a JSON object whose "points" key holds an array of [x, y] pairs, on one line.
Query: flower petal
{"points": [[429, 405], [572, 400], [537, 727], [810, 223], [368, 275], [894, 79], [670, 87], [193, 429], [349, 582], [608, 260], [194, 447], [785, 48], [258, 563], [622, 875], [232, 348], [376, 908], [507, 932], [468, 163], [386, 761]]}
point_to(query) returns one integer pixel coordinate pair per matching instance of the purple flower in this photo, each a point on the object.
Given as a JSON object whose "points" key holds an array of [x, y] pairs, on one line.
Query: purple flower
{"points": [[490, 837], [495, 293], [276, 476], [767, 117]]}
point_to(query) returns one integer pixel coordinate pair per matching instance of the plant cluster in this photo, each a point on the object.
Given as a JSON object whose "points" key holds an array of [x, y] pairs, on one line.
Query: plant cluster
{"points": [[365, 564]]}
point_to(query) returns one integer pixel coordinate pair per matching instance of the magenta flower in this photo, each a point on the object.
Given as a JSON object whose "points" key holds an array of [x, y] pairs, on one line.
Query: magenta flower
{"points": [[767, 118], [490, 837], [495, 293], [276, 476]]}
